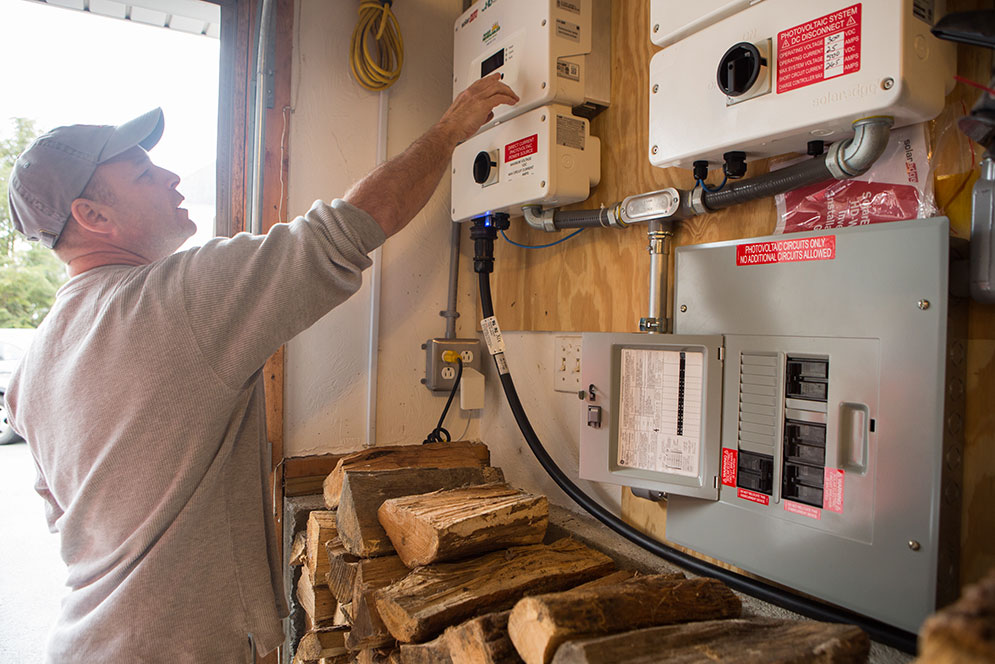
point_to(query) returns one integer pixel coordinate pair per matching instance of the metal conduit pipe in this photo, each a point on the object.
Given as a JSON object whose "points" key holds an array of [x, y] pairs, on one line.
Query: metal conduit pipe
{"points": [[452, 309], [659, 235], [844, 160], [554, 220]]}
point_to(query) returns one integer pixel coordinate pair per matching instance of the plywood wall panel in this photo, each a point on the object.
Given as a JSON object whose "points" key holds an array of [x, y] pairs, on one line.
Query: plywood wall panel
{"points": [[598, 280]]}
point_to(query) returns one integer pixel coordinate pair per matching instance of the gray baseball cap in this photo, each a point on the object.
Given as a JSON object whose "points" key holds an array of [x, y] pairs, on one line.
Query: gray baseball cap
{"points": [[56, 168]]}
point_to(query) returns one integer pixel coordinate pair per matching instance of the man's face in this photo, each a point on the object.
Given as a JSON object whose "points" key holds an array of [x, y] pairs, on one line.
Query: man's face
{"points": [[144, 204]]}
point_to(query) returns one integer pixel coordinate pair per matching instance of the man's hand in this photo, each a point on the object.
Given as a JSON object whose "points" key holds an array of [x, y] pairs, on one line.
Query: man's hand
{"points": [[475, 106], [395, 192]]}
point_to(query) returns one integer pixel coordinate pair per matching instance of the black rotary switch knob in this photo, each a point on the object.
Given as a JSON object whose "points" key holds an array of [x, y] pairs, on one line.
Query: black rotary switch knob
{"points": [[739, 69], [482, 166]]}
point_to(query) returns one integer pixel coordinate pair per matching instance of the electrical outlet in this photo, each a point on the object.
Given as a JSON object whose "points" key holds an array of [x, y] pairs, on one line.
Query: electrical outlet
{"points": [[566, 364], [439, 374]]}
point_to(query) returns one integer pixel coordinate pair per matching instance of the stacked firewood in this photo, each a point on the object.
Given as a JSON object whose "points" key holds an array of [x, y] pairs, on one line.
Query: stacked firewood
{"points": [[425, 555]]}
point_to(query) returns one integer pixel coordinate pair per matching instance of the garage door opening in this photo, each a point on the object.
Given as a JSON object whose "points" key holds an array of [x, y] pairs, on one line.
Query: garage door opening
{"points": [[104, 63]]}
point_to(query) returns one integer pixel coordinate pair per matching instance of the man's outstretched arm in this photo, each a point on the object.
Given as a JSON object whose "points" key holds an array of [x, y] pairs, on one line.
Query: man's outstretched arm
{"points": [[394, 192]]}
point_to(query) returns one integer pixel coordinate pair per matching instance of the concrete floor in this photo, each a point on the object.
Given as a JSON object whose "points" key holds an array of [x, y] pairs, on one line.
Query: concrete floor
{"points": [[32, 576]]}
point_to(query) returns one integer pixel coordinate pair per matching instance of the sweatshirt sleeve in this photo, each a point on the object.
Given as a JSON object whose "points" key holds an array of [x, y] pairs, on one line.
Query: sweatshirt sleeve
{"points": [[246, 296]]}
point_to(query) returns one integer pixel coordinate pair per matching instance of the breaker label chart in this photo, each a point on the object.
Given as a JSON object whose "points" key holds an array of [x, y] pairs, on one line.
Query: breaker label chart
{"points": [[659, 422], [819, 49]]}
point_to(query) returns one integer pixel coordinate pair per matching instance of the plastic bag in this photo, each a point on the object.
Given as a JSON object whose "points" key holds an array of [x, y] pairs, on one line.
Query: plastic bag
{"points": [[897, 187]]}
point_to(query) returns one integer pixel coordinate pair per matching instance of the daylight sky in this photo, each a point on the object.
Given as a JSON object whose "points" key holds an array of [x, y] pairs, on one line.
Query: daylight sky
{"points": [[66, 67]]}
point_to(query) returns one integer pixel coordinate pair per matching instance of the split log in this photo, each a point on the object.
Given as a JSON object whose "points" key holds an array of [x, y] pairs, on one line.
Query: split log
{"points": [[378, 656], [320, 529], [485, 640], [344, 658], [963, 632], [482, 640], [455, 523], [322, 642], [368, 630], [538, 625], [298, 549], [343, 615], [617, 577], [342, 565], [753, 641], [363, 491], [316, 600], [433, 455], [435, 651], [433, 597]]}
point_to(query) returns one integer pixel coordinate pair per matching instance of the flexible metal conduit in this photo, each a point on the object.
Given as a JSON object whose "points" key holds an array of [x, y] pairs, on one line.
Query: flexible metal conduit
{"points": [[845, 159]]}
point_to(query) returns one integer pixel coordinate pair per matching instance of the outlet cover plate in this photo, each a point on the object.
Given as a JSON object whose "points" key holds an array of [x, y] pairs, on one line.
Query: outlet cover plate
{"points": [[440, 375]]}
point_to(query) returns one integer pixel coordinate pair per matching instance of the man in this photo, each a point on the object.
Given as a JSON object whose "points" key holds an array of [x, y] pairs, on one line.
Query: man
{"points": [[141, 397]]}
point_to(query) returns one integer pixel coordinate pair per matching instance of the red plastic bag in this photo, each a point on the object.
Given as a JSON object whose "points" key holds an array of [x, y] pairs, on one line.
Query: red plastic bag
{"points": [[898, 187]]}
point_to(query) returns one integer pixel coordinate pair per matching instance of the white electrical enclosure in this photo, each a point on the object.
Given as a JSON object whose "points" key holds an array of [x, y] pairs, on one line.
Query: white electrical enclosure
{"points": [[541, 48], [673, 20], [544, 157], [815, 67]]}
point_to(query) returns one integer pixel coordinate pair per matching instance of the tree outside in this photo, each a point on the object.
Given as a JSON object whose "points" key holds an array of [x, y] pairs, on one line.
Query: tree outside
{"points": [[30, 274]]}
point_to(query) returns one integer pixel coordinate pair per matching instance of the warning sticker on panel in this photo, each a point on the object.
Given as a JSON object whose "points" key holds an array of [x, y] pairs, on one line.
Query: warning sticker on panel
{"points": [[832, 493], [569, 70], [753, 496], [521, 148], [818, 50], [729, 465], [570, 132], [787, 251], [803, 510], [567, 30], [659, 422]]}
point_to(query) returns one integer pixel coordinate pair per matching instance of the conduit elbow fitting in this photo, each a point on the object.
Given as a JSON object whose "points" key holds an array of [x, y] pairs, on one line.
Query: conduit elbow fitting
{"points": [[538, 218], [847, 159]]}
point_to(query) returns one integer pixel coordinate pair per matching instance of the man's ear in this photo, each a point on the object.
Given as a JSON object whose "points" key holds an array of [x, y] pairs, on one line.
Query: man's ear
{"points": [[92, 216]]}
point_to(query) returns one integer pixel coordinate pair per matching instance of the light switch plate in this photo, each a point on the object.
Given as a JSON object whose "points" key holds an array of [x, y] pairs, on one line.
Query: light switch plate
{"points": [[566, 364]]}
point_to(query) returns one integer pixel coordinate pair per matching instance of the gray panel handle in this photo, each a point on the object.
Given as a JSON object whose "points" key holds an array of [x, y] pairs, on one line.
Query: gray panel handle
{"points": [[854, 436]]}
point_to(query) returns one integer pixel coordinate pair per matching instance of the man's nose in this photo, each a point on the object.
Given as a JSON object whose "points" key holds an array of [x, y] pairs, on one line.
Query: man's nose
{"points": [[171, 178]]}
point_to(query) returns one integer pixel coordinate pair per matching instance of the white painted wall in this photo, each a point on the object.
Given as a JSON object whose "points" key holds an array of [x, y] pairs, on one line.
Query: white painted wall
{"points": [[333, 142]]}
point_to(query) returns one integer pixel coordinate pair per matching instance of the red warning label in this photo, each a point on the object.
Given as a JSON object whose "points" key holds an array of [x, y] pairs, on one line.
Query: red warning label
{"points": [[521, 148], [804, 510], [819, 49], [787, 251], [729, 466], [832, 492], [753, 496]]}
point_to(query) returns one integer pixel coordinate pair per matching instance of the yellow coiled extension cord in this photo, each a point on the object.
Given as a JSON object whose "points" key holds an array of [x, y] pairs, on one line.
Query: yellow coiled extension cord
{"points": [[379, 70]]}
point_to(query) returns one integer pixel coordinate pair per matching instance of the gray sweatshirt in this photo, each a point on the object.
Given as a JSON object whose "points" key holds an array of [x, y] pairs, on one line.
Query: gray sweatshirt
{"points": [[141, 399]]}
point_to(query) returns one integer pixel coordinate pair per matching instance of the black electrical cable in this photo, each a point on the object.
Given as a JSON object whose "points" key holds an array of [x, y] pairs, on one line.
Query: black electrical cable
{"points": [[440, 434], [878, 630]]}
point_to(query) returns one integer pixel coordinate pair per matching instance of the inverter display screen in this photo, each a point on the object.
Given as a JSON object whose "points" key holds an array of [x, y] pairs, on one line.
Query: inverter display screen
{"points": [[491, 63]]}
